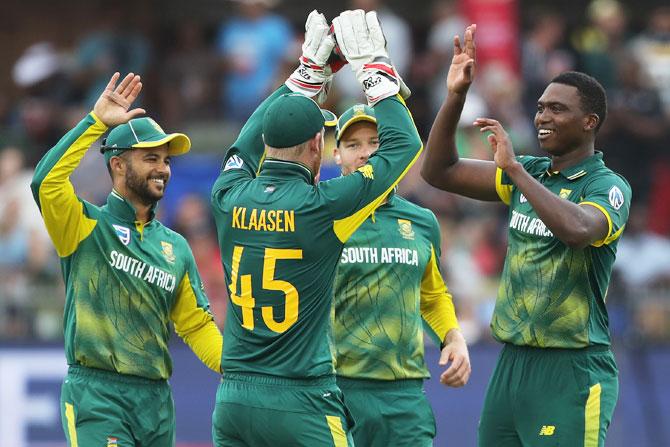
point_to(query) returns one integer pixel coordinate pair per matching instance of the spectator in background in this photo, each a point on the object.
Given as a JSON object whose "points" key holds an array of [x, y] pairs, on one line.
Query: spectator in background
{"points": [[635, 120], [112, 45], [24, 246], [652, 48], [601, 42], [189, 78], [254, 46], [399, 39], [193, 220], [542, 57]]}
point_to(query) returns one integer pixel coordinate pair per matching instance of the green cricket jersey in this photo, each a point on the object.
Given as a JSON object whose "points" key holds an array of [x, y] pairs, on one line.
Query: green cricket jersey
{"points": [[124, 280], [281, 237], [388, 281], [552, 295]]}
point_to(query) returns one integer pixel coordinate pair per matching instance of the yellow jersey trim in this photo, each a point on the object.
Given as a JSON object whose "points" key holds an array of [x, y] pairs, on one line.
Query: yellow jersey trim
{"points": [[592, 417], [71, 427], [62, 210], [196, 326], [608, 237], [336, 430], [504, 191], [436, 305]]}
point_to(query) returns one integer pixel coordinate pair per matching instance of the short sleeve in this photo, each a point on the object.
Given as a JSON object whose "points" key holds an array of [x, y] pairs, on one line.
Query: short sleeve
{"points": [[611, 194]]}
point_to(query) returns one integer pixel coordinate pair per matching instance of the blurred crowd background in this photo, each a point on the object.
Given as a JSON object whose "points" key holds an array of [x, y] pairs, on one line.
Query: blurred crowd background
{"points": [[206, 65]]}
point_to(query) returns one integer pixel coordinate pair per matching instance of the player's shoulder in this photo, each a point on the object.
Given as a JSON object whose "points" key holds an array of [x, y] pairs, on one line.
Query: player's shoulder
{"points": [[414, 212], [605, 176]]}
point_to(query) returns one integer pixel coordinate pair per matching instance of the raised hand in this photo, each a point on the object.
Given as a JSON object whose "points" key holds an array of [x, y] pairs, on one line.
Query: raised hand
{"points": [[462, 69], [112, 106], [500, 142]]}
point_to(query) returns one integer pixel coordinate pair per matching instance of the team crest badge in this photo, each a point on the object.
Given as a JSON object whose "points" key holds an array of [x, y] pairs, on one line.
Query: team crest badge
{"points": [[616, 197], [123, 233], [359, 109], [233, 162], [405, 229], [565, 193], [168, 253], [112, 441]]}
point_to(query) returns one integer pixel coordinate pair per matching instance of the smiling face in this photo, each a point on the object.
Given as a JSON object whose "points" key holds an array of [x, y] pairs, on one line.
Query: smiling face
{"points": [[146, 173], [561, 122], [357, 144]]}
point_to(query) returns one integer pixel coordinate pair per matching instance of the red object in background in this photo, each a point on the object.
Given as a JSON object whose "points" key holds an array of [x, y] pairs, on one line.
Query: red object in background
{"points": [[659, 201], [497, 35]]}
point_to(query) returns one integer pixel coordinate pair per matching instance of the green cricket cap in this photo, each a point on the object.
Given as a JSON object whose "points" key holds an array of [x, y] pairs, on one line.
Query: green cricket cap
{"points": [[140, 133], [354, 114], [292, 119]]}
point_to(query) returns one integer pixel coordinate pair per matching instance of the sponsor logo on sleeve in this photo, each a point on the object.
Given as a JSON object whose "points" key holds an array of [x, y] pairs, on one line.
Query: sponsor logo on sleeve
{"points": [[234, 162], [616, 197], [123, 233]]}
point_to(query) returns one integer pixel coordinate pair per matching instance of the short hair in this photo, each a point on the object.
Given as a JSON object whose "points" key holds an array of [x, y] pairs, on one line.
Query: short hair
{"points": [[591, 93]]}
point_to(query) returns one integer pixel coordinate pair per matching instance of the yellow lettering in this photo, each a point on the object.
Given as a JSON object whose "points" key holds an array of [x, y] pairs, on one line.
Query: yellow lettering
{"points": [[253, 220], [271, 220], [279, 221], [236, 217], [290, 220], [261, 221]]}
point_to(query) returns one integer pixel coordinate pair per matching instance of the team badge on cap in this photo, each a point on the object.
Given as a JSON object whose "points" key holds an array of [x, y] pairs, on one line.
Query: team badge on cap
{"points": [[123, 233]]}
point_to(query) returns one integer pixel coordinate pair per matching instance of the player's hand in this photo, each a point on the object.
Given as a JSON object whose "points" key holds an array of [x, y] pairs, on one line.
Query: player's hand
{"points": [[112, 106], [500, 142], [361, 42], [314, 75], [456, 352], [462, 69]]}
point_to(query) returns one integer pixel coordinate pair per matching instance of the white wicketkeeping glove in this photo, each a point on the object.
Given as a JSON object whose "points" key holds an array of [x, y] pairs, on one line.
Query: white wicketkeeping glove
{"points": [[314, 75], [362, 43]]}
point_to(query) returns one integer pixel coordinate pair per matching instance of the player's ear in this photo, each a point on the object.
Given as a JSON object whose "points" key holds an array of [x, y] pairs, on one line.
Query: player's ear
{"points": [[337, 157], [591, 122]]}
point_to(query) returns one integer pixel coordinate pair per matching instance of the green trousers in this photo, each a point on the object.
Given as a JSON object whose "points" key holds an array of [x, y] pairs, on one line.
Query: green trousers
{"points": [[543, 397], [259, 410], [105, 409]]}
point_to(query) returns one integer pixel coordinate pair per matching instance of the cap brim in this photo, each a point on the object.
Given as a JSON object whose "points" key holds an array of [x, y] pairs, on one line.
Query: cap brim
{"points": [[353, 120], [178, 143], [329, 117]]}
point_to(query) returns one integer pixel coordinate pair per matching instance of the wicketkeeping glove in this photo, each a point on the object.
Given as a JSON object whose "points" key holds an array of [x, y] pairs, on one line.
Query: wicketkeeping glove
{"points": [[314, 75], [361, 41]]}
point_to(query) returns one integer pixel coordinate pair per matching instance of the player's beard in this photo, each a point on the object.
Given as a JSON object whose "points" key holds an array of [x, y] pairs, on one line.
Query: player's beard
{"points": [[140, 186]]}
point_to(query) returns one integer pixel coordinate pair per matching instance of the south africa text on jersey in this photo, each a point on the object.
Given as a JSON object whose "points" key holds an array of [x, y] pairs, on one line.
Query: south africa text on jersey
{"points": [[263, 220], [385, 255], [139, 269], [530, 225]]}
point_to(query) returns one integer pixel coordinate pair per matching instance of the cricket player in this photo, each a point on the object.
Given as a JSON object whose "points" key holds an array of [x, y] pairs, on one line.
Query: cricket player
{"points": [[126, 277], [388, 286], [281, 236], [556, 381]]}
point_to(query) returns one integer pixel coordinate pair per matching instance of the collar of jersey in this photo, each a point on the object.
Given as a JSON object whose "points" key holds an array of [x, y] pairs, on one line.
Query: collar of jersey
{"points": [[122, 209], [283, 168], [587, 165]]}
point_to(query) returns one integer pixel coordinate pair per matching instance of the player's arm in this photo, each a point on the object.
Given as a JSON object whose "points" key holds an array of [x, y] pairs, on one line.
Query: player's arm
{"points": [[61, 209], [312, 78], [193, 320], [442, 166], [575, 225], [439, 317]]}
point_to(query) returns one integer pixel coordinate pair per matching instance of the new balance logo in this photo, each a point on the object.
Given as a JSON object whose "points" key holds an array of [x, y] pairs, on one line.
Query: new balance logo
{"points": [[547, 430]]}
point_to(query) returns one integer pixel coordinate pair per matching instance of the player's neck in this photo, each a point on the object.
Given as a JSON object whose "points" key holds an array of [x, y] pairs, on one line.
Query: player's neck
{"points": [[571, 158]]}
